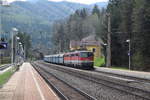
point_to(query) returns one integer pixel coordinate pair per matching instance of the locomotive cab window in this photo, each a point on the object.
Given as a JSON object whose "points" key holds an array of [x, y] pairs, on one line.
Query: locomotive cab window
{"points": [[72, 55], [77, 54], [86, 54]]}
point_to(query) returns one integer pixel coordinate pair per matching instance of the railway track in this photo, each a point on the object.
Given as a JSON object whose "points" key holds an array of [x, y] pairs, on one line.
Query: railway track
{"points": [[137, 79], [62, 88], [111, 82], [4, 67]]}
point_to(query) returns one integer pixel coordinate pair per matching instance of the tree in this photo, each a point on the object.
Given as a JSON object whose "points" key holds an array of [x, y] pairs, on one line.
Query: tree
{"points": [[96, 10], [25, 39], [141, 34], [130, 20], [77, 26]]}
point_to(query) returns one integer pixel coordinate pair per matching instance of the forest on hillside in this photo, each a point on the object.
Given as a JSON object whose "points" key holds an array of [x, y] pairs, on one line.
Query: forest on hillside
{"points": [[37, 18], [34, 20], [130, 19]]}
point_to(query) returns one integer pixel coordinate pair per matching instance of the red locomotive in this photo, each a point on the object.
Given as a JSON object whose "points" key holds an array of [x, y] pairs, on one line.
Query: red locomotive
{"points": [[77, 59]]}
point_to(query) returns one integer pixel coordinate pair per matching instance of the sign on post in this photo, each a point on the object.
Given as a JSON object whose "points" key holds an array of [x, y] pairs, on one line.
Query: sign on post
{"points": [[3, 45]]}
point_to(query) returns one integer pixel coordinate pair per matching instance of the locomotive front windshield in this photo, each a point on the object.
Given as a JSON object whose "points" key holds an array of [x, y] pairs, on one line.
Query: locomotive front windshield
{"points": [[86, 54]]}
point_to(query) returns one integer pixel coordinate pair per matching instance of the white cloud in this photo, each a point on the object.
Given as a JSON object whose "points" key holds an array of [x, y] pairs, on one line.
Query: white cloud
{"points": [[77, 1]]}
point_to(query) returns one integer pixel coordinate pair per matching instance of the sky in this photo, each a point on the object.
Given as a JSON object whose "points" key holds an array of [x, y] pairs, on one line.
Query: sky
{"points": [[77, 1]]}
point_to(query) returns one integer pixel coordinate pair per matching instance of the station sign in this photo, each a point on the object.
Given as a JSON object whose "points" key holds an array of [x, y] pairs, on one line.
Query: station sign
{"points": [[3, 45]]}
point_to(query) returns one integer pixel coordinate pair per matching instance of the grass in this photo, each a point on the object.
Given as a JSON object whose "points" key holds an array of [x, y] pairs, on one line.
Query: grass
{"points": [[99, 61], [119, 68], [6, 75]]}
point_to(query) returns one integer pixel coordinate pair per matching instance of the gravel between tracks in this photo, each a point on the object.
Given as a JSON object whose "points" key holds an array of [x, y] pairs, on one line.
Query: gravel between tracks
{"points": [[65, 89], [98, 91]]}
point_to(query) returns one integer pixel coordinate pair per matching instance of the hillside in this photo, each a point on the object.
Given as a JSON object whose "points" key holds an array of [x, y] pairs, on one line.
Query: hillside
{"points": [[37, 18]]}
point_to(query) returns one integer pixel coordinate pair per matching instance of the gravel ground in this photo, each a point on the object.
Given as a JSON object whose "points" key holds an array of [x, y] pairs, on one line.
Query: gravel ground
{"points": [[70, 93], [98, 91]]}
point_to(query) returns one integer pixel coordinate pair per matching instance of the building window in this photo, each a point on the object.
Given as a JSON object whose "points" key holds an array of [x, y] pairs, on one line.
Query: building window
{"points": [[94, 50]]}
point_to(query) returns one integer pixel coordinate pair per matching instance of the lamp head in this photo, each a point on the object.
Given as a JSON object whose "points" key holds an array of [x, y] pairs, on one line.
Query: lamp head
{"points": [[128, 40], [15, 29]]}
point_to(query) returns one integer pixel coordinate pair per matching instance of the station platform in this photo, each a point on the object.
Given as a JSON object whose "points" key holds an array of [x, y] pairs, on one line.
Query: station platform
{"points": [[27, 84], [136, 74]]}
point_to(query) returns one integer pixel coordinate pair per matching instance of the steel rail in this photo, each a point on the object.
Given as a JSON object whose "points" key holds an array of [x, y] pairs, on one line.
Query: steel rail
{"points": [[59, 93], [4, 67], [76, 89], [121, 87]]}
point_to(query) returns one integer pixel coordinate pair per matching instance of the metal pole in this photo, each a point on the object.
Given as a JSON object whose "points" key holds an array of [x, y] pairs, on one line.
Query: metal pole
{"points": [[12, 49], [16, 50], [13, 31], [15, 56], [24, 52], [129, 55], [105, 54]]}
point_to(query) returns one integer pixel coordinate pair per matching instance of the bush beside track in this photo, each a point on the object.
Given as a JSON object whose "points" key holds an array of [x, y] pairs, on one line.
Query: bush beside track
{"points": [[99, 62]]}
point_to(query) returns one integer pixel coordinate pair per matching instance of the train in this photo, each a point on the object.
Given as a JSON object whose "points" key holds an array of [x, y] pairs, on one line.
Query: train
{"points": [[76, 59]]}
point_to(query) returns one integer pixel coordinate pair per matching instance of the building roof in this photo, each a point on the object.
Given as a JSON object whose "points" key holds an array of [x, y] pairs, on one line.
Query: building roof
{"points": [[90, 40], [74, 43]]}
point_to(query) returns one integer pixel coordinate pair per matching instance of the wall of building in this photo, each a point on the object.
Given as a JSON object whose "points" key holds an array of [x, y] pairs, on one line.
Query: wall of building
{"points": [[97, 52]]}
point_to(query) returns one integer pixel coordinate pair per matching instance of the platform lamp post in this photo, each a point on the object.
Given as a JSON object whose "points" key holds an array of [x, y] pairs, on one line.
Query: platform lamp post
{"points": [[17, 49], [21, 52], [129, 52], [105, 53], [23, 49], [24, 53], [14, 31]]}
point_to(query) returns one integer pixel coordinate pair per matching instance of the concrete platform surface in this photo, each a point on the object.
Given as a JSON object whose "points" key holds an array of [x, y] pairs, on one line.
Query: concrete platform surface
{"points": [[138, 74], [27, 84]]}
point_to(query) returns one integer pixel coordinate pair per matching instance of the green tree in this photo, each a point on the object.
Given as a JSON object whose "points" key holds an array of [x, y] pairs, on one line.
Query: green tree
{"points": [[25, 39], [96, 10], [141, 42]]}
